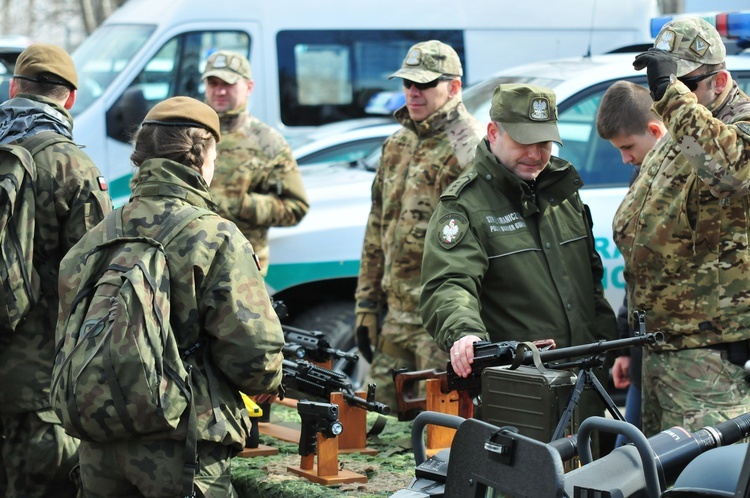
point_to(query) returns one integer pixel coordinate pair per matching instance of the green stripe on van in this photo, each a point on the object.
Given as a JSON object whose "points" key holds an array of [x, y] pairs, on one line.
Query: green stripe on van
{"points": [[282, 277]]}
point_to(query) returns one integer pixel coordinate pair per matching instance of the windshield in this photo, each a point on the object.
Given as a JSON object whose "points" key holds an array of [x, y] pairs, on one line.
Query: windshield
{"points": [[102, 56], [478, 98]]}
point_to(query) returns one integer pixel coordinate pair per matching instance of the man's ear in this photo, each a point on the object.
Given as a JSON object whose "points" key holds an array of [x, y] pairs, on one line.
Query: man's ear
{"points": [[656, 128], [12, 88], [70, 100], [722, 79], [455, 87]]}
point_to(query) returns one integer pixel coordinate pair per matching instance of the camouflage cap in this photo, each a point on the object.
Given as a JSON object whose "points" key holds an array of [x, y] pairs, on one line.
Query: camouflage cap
{"points": [[228, 66], [693, 42], [184, 111], [427, 61], [45, 63], [527, 112]]}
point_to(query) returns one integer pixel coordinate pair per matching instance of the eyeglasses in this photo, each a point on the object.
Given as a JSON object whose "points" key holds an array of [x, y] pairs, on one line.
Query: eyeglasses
{"points": [[424, 86], [692, 81]]}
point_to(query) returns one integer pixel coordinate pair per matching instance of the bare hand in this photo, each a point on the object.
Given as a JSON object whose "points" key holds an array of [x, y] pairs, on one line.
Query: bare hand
{"points": [[621, 372], [462, 355]]}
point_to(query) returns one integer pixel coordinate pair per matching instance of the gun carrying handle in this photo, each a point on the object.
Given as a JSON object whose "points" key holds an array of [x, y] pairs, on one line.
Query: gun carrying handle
{"points": [[417, 430], [521, 350], [648, 463]]}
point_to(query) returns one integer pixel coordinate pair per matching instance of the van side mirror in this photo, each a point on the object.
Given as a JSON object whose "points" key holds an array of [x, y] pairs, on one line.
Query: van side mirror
{"points": [[124, 117]]}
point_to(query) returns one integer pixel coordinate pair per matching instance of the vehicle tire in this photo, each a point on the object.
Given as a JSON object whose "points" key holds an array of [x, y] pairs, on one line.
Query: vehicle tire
{"points": [[335, 319]]}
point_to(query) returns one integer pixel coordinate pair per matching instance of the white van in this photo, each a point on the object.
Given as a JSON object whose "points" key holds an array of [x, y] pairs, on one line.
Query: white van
{"points": [[314, 62]]}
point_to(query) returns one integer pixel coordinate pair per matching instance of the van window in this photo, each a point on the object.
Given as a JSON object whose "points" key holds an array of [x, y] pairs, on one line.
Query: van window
{"points": [[102, 56], [175, 69], [332, 75]]}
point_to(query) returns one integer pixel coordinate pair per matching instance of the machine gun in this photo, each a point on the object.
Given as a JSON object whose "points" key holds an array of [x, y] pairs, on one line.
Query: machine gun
{"points": [[489, 354], [306, 378], [317, 418], [312, 344]]}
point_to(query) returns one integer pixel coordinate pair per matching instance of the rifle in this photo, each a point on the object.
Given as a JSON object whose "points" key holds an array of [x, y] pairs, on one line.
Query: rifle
{"points": [[489, 354], [312, 344], [306, 378]]}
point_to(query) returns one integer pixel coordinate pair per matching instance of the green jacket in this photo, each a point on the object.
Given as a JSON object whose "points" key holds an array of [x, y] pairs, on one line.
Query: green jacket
{"points": [[70, 200], [218, 296], [419, 161], [684, 226], [503, 263]]}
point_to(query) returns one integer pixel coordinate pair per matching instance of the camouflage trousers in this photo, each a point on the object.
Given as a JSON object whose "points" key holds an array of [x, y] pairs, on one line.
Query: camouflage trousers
{"points": [[37, 456], [152, 469], [402, 345], [691, 388]]}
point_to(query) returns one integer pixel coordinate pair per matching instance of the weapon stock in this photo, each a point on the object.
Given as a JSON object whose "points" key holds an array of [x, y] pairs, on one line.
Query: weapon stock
{"points": [[306, 378]]}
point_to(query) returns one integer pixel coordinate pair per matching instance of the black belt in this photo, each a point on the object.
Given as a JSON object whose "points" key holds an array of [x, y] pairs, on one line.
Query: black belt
{"points": [[738, 352]]}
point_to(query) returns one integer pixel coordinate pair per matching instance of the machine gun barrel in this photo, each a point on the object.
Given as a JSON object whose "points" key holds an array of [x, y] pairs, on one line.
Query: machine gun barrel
{"points": [[594, 348], [306, 378]]}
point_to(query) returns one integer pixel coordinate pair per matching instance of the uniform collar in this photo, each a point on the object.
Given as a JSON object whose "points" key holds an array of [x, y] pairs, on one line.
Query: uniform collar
{"points": [[435, 123], [166, 178]]}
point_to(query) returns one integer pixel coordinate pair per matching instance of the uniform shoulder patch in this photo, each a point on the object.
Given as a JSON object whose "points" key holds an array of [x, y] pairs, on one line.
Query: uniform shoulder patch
{"points": [[455, 188], [451, 229]]}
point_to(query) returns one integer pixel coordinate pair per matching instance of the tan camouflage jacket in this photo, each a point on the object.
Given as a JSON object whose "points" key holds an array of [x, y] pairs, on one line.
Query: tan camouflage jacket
{"points": [[257, 183], [218, 296], [70, 201], [683, 226], [418, 163]]}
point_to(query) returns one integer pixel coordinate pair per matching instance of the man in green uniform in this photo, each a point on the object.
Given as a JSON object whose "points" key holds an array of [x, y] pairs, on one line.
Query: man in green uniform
{"points": [[509, 254], [36, 455], [683, 231], [436, 143], [257, 183]]}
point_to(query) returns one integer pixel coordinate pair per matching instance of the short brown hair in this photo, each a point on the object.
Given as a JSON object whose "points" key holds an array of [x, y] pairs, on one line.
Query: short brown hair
{"points": [[625, 109], [58, 93]]}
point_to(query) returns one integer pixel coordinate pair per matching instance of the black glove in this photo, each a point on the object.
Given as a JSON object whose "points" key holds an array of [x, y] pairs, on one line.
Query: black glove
{"points": [[659, 66], [365, 334]]}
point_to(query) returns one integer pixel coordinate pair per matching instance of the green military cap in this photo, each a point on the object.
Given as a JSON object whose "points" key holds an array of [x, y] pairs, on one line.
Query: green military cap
{"points": [[184, 111], [228, 66], [45, 63], [693, 42], [527, 112], [427, 61]]}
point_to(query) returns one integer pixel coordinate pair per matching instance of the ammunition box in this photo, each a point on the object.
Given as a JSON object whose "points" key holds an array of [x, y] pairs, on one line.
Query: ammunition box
{"points": [[528, 399]]}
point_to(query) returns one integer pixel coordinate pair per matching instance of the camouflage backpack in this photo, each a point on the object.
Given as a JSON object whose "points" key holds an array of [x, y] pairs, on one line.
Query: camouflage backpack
{"points": [[118, 371], [20, 282]]}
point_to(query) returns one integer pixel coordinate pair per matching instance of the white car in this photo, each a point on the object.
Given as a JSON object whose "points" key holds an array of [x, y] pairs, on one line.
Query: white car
{"points": [[343, 142], [314, 265]]}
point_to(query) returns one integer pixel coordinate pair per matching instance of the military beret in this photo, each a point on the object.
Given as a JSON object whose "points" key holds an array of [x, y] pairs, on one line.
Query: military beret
{"points": [[184, 111], [45, 63], [693, 42], [228, 66]]}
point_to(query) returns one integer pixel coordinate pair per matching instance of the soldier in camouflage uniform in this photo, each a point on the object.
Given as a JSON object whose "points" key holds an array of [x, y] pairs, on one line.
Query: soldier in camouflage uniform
{"points": [[436, 143], [218, 300], [36, 456], [683, 231], [257, 183]]}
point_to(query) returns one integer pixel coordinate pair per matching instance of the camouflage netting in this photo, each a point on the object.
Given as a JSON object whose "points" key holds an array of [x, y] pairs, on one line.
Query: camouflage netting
{"points": [[387, 472]]}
